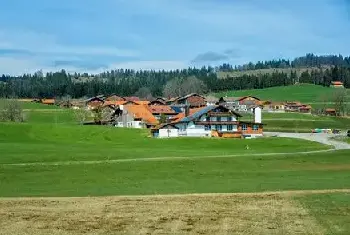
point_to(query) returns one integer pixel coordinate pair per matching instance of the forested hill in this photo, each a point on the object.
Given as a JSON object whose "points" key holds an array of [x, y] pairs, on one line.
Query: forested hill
{"points": [[320, 70]]}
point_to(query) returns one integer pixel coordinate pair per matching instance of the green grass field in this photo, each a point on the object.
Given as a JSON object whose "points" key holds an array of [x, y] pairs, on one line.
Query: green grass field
{"points": [[51, 156], [306, 93]]}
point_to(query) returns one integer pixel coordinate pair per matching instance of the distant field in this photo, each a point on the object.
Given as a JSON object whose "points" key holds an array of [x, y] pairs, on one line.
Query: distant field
{"points": [[263, 71], [32, 105], [297, 122], [304, 93]]}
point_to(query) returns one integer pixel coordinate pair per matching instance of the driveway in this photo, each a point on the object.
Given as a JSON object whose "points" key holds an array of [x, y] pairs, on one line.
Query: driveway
{"points": [[322, 138]]}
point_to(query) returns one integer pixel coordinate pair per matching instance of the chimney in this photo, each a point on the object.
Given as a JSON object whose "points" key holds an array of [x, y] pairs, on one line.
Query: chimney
{"points": [[187, 110], [257, 114]]}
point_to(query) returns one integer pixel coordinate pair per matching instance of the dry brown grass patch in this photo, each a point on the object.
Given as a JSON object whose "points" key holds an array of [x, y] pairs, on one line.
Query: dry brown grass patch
{"points": [[208, 214]]}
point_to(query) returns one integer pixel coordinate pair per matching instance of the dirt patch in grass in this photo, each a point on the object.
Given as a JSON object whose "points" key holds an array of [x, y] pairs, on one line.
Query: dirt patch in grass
{"points": [[187, 214]]}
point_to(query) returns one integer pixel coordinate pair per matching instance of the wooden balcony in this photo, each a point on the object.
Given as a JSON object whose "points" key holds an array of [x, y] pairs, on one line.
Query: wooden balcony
{"points": [[216, 123], [220, 114]]}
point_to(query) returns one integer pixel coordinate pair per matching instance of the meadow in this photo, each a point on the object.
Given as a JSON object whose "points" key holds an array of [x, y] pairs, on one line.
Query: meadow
{"points": [[306, 93], [59, 177]]}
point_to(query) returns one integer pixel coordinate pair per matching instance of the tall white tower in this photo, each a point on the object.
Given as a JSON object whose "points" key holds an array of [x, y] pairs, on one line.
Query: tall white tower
{"points": [[257, 114]]}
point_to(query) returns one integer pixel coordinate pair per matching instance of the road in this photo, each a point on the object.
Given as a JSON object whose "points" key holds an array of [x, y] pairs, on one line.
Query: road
{"points": [[322, 138]]}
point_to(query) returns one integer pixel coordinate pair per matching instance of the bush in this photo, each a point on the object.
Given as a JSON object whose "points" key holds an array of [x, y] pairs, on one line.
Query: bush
{"points": [[11, 111]]}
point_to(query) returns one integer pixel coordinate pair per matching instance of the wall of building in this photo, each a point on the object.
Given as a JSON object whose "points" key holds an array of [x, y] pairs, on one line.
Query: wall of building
{"points": [[168, 133]]}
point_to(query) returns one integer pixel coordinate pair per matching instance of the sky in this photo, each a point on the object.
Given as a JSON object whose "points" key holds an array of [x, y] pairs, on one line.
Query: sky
{"points": [[97, 35]]}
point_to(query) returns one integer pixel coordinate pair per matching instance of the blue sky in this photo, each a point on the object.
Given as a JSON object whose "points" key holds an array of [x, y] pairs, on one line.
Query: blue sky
{"points": [[95, 35]]}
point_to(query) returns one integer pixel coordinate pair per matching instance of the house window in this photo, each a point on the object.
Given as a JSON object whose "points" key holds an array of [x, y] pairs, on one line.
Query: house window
{"points": [[207, 119], [255, 127], [218, 127], [219, 119], [229, 127], [229, 119], [244, 127], [207, 127]]}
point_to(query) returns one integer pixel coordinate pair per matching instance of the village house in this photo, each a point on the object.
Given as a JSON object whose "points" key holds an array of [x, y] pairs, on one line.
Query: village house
{"points": [[240, 104], [136, 116], [337, 84], [114, 98], [94, 102], [47, 101], [211, 121], [211, 100], [297, 107], [272, 106], [192, 100], [158, 101], [162, 110], [330, 112]]}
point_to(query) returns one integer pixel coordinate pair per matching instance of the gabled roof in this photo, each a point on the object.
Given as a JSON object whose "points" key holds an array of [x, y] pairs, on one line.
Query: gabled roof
{"points": [[189, 95], [99, 98], [132, 98], [141, 102], [177, 109], [114, 98], [204, 110], [339, 83], [249, 96], [48, 101], [115, 103], [161, 109], [181, 115], [141, 112]]}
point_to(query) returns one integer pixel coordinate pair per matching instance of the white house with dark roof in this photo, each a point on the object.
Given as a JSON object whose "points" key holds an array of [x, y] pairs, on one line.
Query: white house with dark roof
{"points": [[216, 120]]}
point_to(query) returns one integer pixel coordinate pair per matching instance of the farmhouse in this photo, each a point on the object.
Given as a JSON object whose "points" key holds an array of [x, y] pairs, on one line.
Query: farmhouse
{"points": [[330, 112], [297, 107], [158, 101], [136, 116], [114, 98], [162, 110], [211, 121], [337, 84], [48, 101], [94, 102], [193, 100]]}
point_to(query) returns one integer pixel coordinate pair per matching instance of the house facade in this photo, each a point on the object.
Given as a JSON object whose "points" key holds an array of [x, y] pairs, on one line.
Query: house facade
{"points": [[212, 121], [192, 100], [337, 84]]}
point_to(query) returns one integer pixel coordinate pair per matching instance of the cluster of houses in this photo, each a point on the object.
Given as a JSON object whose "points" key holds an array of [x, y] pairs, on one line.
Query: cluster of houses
{"points": [[190, 115]]}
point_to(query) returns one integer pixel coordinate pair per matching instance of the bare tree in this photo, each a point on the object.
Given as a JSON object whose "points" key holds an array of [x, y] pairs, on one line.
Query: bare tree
{"points": [[339, 99], [11, 111], [181, 87], [144, 93], [82, 115]]}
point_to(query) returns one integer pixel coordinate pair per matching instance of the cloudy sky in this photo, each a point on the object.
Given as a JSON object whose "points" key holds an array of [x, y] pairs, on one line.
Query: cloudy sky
{"points": [[95, 35]]}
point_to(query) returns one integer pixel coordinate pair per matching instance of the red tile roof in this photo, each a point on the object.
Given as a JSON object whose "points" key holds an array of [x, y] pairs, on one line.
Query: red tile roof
{"points": [[337, 83], [141, 112], [161, 109]]}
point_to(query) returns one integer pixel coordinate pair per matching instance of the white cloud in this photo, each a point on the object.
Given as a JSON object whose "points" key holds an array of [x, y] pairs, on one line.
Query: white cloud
{"points": [[19, 66], [40, 43], [150, 65]]}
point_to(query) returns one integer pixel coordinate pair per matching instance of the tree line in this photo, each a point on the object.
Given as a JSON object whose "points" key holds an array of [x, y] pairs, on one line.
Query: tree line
{"points": [[127, 82]]}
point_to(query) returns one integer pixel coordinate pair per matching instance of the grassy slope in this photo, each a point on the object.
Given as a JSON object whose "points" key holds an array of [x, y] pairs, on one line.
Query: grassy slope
{"points": [[304, 93], [332, 211]]}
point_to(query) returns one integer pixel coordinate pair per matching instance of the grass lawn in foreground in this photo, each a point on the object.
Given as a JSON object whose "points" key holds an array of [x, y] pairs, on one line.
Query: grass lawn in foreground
{"points": [[306, 93], [331, 211], [328, 170]]}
